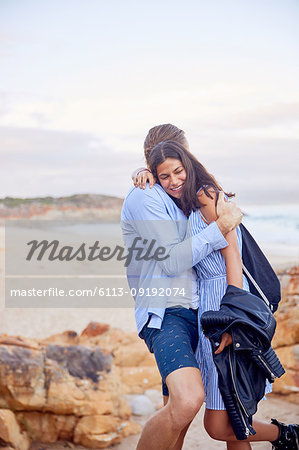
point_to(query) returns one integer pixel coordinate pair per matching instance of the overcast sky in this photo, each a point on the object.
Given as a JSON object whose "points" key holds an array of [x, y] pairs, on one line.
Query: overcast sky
{"points": [[82, 81]]}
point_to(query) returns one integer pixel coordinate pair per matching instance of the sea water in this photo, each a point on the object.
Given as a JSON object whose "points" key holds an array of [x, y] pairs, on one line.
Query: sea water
{"points": [[276, 229]]}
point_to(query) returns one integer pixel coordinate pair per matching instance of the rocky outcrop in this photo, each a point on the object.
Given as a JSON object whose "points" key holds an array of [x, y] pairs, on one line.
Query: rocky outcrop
{"points": [[78, 388], [286, 338], [81, 206], [71, 387], [10, 431]]}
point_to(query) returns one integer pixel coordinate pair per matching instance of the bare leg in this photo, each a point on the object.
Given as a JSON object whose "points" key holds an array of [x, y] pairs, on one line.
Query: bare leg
{"points": [[239, 445], [218, 426], [179, 443], [165, 428]]}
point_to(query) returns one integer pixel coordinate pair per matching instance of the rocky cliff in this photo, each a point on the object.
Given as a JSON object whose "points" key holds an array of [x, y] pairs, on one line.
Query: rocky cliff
{"points": [[70, 387], [286, 338], [75, 388], [81, 206]]}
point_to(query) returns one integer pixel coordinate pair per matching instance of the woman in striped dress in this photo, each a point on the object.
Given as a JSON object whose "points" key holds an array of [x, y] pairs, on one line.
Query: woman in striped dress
{"points": [[197, 199], [215, 272]]}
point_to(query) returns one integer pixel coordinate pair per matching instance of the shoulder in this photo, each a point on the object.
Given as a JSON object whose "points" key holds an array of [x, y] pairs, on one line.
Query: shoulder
{"points": [[147, 203], [208, 202], [207, 199], [147, 194]]}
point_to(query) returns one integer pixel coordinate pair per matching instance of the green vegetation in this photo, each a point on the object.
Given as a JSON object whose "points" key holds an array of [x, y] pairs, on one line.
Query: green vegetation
{"points": [[15, 201], [76, 199]]}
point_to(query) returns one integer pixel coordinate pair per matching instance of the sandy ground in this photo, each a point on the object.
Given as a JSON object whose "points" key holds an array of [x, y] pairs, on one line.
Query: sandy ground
{"points": [[44, 322], [197, 438]]}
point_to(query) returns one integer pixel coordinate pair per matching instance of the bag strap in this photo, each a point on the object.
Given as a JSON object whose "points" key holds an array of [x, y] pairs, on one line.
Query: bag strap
{"points": [[263, 296]]}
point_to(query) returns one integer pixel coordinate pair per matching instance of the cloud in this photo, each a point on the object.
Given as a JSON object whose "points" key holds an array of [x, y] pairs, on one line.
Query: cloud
{"points": [[54, 163], [276, 114], [45, 162]]}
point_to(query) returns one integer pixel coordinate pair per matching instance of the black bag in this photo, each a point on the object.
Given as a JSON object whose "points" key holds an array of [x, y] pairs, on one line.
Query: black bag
{"points": [[263, 281]]}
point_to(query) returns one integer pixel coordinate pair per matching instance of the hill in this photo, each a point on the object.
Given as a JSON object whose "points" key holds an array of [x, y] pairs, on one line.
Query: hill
{"points": [[79, 206]]}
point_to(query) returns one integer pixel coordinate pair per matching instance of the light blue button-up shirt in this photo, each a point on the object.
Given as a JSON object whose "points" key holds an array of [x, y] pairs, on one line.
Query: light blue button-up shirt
{"points": [[152, 215]]}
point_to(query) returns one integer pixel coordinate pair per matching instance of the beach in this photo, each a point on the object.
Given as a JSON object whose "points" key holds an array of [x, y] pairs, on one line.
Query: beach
{"points": [[276, 229], [43, 322]]}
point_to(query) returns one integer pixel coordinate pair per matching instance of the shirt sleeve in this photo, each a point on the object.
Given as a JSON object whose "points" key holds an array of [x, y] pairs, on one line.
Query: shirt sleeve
{"points": [[155, 321], [153, 223]]}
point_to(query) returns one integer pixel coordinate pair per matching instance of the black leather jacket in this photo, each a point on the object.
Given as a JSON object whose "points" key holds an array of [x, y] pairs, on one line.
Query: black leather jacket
{"points": [[244, 366]]}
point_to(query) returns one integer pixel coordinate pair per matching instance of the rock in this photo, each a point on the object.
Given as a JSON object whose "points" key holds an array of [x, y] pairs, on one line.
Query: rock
{"points": [[140, 405], [80, 361], [137, 354], [68, 337], [110, 340], [289, 357], [19, 341], [124, 410], [287, 384], [10, 432], [95, 329], [68, 395], [287, 332], [136, 380], [79, 206], [97, 431], [22, 378], [102, 431], [46, 427], [155, 396], [129, 428], [286, 338]]}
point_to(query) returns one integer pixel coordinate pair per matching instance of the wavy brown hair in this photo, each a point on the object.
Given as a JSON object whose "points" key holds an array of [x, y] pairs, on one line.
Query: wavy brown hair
{"points": [[196, 174], [162, 133]]}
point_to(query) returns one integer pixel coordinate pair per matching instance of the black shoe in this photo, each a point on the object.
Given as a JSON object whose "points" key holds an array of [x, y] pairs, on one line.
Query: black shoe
{"points": [[288, 436]]}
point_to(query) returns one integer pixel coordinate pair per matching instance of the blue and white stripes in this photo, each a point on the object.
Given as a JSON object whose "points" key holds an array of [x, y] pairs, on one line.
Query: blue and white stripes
{"points": [[212, 286]]}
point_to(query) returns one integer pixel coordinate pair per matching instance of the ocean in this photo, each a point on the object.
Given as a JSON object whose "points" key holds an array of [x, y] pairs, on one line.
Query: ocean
{"points": [[276, 229]]}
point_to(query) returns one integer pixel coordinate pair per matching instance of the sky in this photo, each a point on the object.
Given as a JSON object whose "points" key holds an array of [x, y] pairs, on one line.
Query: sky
{"points": [[82, 81]]}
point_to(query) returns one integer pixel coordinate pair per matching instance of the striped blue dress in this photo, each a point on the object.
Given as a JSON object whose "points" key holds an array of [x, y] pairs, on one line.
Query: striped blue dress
{"points": [[211, 273]]}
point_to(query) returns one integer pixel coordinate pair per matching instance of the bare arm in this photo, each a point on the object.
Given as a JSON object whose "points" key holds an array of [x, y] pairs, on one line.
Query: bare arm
{"points": [[231, 254]]}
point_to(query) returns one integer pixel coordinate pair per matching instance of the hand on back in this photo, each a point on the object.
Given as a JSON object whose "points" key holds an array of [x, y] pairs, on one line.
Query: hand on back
{"points": [[142, 177]]}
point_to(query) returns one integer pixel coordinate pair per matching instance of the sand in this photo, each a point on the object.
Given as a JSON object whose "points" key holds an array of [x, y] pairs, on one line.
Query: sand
{"points": [[39, 323]]}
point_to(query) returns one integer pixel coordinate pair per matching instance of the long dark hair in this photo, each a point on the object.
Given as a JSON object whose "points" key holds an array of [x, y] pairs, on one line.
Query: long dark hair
{"points": [[196, 175]]}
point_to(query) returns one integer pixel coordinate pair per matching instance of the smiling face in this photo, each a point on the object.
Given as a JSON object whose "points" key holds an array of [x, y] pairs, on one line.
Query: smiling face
{"points": [[172, 175]]}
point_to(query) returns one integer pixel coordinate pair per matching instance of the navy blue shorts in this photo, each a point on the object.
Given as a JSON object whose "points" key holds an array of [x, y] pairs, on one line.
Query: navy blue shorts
{"points": [[175, 343]]}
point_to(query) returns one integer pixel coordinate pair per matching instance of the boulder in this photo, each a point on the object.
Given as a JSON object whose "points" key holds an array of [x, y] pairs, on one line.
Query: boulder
{"points": [[135, 354], [287, 330], [289, 356], [95, 329], [66, 392], [46, 427], [136, 380], [102, 431], [140, 405], [155, 396], [10, 431], [68, 337], [287, 384], [97, 431], [286, 338], [22, 378], [80, 361]]}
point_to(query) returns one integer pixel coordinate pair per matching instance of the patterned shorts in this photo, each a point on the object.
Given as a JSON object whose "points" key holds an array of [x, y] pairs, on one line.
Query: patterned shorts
{"points": [[175, 343]]}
